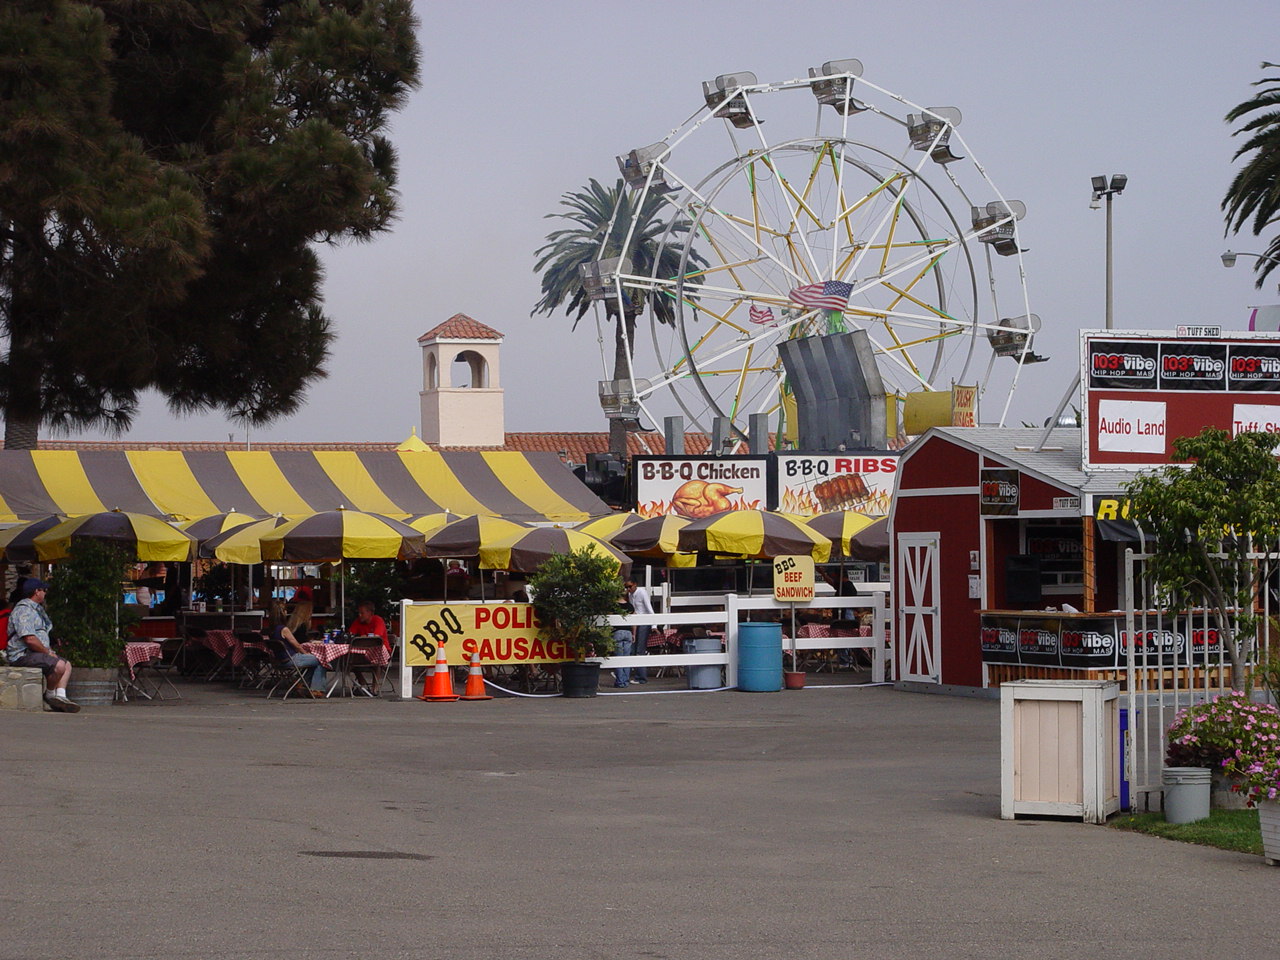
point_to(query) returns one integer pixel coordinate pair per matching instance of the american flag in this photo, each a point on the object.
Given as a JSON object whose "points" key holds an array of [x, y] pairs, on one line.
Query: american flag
{"points": [[832, 295], [762, 314]]}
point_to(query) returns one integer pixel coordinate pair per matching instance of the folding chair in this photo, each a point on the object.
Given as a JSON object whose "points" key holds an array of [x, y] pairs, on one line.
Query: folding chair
{"points": [[367, 677], [287, 676], [255, 668], [161, 670]]}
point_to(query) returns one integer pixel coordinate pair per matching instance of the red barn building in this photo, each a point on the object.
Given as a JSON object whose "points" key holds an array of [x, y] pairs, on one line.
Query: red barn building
{"points": [[987, 523]]}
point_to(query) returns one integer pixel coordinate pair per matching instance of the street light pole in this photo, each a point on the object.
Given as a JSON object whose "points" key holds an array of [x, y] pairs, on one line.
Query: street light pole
{"points": [[1229, 257], [1101, 188]]}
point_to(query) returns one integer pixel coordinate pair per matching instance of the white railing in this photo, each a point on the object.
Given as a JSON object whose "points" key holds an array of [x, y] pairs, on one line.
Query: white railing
{"points": [[723, 616]]}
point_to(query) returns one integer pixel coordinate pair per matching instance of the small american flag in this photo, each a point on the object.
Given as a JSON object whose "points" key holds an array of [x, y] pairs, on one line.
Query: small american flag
{"points": [[762, 314], [831, 295]]}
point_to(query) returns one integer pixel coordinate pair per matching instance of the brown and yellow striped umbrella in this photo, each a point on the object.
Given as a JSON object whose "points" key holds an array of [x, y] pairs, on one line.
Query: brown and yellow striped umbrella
{"points": [[145, 538], [208, 527], [465, 537], [342, 535], [654, 537], [840, 526], [754, 533], [17, 543], [428, 523], [606, 526], [527, 550], [242, 544], [871, 542]]}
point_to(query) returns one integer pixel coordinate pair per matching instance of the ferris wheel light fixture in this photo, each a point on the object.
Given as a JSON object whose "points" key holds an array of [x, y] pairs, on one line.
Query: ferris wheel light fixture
{"points": [[833, 85], [931, 132], [734, 109], [638, 163]]}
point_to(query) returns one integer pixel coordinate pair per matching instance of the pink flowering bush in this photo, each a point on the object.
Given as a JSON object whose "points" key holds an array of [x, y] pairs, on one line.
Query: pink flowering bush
{"points": [[1232, 734], [1210, 733]]}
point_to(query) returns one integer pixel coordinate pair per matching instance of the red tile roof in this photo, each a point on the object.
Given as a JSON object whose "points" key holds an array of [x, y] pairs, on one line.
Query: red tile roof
{"points": [[573, 447], [460, 327]]}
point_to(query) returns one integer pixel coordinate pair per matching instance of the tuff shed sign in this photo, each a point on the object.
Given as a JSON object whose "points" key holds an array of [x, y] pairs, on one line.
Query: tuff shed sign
{"points": [[1143, 389], [999, 492]]}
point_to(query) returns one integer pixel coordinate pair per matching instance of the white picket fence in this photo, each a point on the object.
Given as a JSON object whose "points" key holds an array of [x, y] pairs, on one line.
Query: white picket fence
{"points": [[721, 613]]}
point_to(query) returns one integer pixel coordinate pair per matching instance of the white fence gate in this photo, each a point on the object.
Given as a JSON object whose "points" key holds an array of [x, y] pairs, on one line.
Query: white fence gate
{"points": [[1170, 662]]}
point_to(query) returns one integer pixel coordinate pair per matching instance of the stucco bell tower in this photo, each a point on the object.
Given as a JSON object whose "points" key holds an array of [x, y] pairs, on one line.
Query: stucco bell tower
{"points": [[461, 388]]}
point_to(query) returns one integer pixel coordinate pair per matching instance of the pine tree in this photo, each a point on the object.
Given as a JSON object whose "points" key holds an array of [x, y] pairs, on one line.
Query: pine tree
{"points": [[250, 130]]}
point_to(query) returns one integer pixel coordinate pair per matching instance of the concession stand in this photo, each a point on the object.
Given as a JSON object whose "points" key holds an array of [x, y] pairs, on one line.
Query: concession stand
{"points": [[1009, 542]]}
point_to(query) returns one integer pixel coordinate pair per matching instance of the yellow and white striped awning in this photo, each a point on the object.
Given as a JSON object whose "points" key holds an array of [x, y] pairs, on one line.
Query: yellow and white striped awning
{"points": [[188, 484]]}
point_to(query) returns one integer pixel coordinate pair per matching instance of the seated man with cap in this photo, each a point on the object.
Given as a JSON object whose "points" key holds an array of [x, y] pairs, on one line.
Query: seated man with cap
{"points": [[29, 645]]}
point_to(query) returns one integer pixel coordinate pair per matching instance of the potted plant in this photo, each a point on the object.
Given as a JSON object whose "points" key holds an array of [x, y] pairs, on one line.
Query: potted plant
{"points": [[572, 594], [84, 599], [1255, 769], [1212, 733]]}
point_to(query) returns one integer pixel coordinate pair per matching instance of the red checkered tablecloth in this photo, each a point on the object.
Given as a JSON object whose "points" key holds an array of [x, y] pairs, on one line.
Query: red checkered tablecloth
{"points": [[141, 651], [818, 630], [331, 653], [225, 644]]}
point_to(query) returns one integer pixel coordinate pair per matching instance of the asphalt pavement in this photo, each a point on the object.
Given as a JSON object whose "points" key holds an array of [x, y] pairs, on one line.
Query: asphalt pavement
{"points": [[822, 823]]}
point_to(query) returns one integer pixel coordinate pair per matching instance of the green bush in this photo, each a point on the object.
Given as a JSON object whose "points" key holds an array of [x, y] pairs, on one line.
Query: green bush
{"points": [[572, 593], [83, 601]]}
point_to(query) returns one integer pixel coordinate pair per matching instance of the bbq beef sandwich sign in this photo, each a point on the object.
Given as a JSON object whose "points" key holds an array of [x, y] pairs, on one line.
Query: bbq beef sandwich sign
{"points": [[1142, 389]]}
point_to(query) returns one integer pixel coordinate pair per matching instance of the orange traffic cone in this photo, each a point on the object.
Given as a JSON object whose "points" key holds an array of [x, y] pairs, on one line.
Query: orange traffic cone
{"points": [[475, 682], [428, 680], [439, 686]]}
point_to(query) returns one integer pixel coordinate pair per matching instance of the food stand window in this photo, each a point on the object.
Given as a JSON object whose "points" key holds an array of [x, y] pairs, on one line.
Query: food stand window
{"points": [[1059, 545]]}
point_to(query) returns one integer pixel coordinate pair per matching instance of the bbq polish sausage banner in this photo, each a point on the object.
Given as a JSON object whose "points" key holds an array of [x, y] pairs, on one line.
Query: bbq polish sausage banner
{"points": [[502, 633]]}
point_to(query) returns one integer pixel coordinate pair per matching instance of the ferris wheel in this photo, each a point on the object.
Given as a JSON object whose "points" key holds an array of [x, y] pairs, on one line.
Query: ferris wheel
{"points": [[873, 216]]}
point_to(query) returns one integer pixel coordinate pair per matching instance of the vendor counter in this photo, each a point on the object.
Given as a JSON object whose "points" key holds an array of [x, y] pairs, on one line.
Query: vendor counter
{"points": [[189, 620], [1026, 644]]}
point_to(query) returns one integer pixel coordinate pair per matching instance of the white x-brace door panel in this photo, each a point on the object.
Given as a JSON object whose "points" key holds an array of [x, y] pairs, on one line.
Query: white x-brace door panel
{"points": [[919, 656]]}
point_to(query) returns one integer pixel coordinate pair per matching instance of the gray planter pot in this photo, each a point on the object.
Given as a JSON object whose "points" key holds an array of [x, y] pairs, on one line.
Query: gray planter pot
{"points": [[92, 686]]}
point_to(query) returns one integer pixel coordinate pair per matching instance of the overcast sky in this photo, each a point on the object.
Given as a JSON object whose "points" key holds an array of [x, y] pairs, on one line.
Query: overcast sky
{"points": [[521, 102]]}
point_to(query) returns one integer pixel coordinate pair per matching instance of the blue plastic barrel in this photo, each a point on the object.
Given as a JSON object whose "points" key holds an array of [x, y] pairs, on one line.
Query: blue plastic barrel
{"points": [[760, 657]]}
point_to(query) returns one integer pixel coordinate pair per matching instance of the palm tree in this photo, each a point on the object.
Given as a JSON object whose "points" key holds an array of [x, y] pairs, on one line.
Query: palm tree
{"points": [[599, 219], [1254, 194]]}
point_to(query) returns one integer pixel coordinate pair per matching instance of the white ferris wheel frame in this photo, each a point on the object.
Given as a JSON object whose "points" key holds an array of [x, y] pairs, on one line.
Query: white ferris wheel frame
{"points": [[642, 390]]}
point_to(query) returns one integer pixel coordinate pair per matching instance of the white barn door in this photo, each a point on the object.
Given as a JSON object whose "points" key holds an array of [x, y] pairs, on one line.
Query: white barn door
{"points": [[919, 656]]}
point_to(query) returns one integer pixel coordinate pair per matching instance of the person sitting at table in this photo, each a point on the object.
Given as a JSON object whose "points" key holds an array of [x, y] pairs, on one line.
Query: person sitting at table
{"points": [[369, 624], [288, 647]]}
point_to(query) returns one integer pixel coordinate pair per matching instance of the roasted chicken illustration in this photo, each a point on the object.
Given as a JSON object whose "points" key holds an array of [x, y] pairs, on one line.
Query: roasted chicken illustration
{"points": [[698, 498]]}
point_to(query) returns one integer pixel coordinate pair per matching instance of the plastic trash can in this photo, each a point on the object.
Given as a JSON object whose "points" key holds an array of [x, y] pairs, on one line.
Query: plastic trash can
{"points": [[704, 676], [1186, 793]]}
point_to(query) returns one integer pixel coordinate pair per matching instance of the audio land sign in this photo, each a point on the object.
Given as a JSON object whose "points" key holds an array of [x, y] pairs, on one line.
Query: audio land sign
{"points": [[1143, 389]]}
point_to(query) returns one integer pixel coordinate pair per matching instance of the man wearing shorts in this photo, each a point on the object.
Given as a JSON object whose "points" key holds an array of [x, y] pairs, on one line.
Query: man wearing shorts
{"points": [[29, 645]]}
